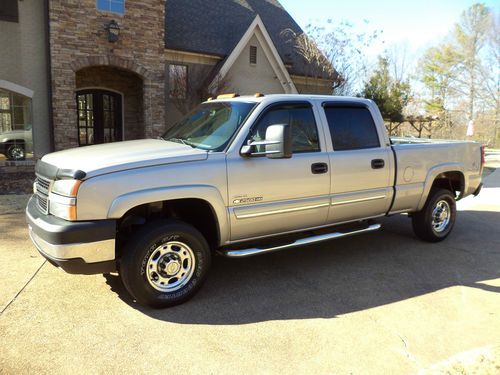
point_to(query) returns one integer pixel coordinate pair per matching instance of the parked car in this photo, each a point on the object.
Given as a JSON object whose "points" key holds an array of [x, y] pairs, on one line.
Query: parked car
{"points": [[240, 176], [16, 143]]}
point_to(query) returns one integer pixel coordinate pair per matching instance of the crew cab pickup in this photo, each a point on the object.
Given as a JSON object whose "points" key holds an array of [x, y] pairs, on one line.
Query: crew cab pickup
{"points": [[240, 176]]}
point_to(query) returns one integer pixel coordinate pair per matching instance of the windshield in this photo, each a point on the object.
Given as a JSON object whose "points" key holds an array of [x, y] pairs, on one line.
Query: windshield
{"points": [[210, 126]]}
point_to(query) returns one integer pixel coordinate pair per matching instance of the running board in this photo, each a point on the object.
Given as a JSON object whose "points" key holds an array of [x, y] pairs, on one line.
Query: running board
{"points": [[300, 242]]}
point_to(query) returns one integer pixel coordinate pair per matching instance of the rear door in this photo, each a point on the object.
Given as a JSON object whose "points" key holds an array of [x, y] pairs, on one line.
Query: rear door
{"points": [[361, 163], [271, 196]]}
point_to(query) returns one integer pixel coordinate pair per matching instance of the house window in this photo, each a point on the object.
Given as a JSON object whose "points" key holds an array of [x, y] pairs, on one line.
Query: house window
{"points": [[9, 11], [253, 55], [115, 6], [177, 81], [15, 126]]}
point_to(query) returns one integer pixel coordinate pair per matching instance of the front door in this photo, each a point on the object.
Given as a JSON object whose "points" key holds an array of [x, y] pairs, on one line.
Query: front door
{"points": [[270, 196], [99, 114]]}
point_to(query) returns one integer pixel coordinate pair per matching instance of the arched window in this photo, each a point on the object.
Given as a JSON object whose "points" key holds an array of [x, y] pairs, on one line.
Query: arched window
{"points": [[16, 141], [99, 116]]}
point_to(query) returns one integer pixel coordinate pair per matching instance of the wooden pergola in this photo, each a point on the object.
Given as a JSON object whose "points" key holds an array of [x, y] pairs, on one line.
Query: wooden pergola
{"points": [[418, 123]]}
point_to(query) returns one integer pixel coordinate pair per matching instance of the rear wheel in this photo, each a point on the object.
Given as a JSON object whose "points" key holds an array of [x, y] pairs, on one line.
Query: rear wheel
{"points": [[165, 263], [436, 219]]}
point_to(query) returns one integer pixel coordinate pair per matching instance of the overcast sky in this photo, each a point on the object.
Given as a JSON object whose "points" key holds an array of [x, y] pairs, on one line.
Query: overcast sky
{"points": [[417, 23]]}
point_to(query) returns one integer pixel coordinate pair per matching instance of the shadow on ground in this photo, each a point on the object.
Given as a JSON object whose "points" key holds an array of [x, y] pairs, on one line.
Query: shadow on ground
{"points": [[340, 277]]}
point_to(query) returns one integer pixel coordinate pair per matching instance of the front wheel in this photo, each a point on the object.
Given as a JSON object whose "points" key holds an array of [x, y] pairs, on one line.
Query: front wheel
{"points": [[436, 219], [165, 263], [15, 152]]}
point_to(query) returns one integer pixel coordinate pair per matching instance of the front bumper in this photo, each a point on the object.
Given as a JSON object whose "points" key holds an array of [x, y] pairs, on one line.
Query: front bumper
{"points": [[82, 247]]}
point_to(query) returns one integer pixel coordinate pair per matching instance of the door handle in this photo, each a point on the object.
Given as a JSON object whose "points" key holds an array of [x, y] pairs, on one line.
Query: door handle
{"points": [[318, 168], [378, 163]]}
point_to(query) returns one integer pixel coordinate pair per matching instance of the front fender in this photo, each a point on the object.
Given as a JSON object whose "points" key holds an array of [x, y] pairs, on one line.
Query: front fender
{"points": [[210, 194]]}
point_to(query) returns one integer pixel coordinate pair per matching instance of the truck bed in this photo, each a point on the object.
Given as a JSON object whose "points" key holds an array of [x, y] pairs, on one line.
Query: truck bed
{"points": [[419, 161], [414, 140]]}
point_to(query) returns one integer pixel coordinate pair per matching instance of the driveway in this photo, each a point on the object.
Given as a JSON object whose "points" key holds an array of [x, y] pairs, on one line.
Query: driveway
{"points": [[381, 303]]}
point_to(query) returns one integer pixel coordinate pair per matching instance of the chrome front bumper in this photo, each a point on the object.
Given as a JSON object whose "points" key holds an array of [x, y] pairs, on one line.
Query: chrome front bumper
{"points": [[77, 247], [90, 252]]}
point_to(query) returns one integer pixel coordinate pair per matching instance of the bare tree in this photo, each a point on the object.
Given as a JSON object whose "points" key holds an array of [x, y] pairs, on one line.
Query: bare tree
{"points": [[397, 56], [316, 65], [189, 85], [490, 72], [337, 52], [470, 37]]}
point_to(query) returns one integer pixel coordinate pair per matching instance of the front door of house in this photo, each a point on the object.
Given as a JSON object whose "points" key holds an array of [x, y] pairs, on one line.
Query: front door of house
{"points": [[99, 114]]}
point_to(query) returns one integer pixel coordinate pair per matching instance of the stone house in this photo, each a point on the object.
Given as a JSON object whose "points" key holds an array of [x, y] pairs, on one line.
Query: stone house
{"points": [[95, 71]]}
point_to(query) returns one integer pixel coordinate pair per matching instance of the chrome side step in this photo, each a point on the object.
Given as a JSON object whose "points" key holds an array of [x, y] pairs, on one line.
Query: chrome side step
{"points": [[300, 242]]}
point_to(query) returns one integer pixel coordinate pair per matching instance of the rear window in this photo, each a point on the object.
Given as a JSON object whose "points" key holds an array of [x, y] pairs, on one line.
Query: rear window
{"points": [[351, 128]]}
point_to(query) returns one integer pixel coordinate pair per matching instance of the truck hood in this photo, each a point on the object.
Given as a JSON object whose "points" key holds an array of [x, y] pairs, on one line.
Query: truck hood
{"points": [[119, 156]]}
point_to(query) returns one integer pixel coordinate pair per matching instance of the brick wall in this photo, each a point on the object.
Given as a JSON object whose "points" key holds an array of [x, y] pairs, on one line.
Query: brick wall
{"points": [[78, 41]]}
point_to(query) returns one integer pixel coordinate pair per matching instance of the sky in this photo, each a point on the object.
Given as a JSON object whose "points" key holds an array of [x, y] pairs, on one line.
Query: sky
{"points": [[416, 24]]}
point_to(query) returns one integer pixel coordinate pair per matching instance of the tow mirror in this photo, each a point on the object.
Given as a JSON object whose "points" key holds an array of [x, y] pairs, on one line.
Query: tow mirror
{"points": [[277, 145]]}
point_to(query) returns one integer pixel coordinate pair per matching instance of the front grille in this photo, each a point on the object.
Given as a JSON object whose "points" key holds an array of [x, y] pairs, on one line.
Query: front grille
{"points": [[42, 193], [43, 184], [43, 203]]}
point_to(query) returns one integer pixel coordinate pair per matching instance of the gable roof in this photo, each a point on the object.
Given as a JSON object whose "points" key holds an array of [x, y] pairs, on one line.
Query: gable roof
{"points": [[258, 30], [215, 27]]}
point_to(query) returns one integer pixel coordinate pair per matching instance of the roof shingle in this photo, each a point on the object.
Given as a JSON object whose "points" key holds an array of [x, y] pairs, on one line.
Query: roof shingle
{"points": [[216, 26]]}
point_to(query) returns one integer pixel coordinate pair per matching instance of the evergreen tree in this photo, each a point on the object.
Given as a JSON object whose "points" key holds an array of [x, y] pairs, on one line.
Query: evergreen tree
{"points": [[391, 95]]}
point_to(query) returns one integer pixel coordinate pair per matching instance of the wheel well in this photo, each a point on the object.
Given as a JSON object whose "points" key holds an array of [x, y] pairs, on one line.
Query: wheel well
{"points": [[453, 181], [14, 141], [196, 212]]}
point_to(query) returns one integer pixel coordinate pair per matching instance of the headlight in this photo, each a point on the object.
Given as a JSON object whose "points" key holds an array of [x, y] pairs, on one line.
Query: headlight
{"points": [[62, 198], [63, 207], [68, 188]]}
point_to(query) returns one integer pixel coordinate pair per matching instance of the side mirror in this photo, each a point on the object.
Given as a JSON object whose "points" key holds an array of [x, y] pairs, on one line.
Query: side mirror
{"points": [[278, 143]]}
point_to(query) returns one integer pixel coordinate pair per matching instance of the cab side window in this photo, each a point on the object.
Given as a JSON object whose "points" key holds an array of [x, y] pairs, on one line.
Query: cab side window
{"points": [[302, 122], [351, 128]]}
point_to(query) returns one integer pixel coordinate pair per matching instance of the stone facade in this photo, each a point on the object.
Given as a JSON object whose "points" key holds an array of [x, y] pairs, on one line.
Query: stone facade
{"points": [[126, 83], [17, 177], [79, 44]]}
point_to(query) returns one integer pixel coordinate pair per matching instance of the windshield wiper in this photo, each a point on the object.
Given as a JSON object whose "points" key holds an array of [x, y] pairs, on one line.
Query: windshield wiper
{"points": [[180, 140], [177, 140]]}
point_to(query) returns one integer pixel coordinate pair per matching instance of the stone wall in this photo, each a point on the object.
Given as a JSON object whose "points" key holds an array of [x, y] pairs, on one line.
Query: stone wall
{"points": [[126, 83], [78, 40], [17, 177]]}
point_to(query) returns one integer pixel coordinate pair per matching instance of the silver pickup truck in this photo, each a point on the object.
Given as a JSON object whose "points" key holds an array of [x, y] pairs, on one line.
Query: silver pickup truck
{"points": [[240, 176]]}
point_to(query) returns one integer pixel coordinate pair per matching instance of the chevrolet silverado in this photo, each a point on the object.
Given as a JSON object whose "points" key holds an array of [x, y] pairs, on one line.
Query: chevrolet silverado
{"points": [[240, 176]]}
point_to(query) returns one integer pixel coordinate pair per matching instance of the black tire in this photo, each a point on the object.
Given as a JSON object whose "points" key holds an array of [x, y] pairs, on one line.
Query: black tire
{"points": [[434, 231], [15, 151], [142, 274]]}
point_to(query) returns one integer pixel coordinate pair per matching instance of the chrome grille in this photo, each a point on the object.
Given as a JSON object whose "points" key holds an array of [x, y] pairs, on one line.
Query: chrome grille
{"points": [[43, 185], [43, 203], [42, 193]]}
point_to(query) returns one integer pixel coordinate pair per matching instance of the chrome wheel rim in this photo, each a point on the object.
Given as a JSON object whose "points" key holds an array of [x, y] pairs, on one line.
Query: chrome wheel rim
{"points": [[170, 266], [441, 215], [17, 152]]}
